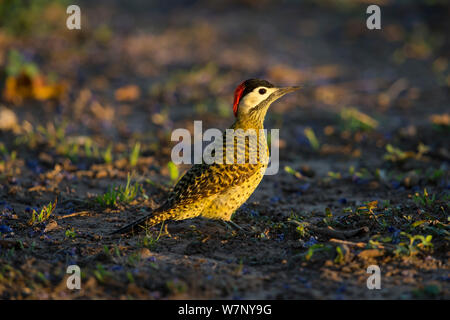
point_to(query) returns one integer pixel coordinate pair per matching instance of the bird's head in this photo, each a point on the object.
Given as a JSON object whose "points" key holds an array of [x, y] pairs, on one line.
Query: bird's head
{"points": [[253, 97]]}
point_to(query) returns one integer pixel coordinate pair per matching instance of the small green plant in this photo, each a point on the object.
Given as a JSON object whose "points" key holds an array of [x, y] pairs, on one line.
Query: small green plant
{"points": [[120, 194], [334, 175], [432, 290], [134, 156], [424, 199], [54, 134], [43, 215], [106, 250], [417, 223], [107, 155], [117, 251], [355, 120], [394, 154], [91, 149], [11, 156], [301, 229], [173, 172], [328, 217], [10, 253], [301, 226], [109, 199], [368, 208], [134, 259], [435, 175], [339, 256], [386, 204], [88, 147], [176, 286], [313, 249], [130, 277], [21, 18], [149, 241], [362, 173], [293, 172], [3, 149], [42, 277], [348, 210], [101, 273], [416, 243], [17, 64], [70, 233], [311, 136]]}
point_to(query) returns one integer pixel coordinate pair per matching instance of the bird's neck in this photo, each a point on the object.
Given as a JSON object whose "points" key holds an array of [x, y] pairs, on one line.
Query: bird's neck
{"points": [[252, 126], [248, 122]]}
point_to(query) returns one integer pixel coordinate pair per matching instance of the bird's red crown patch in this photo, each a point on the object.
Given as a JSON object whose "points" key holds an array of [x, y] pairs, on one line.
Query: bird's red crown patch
{"points": [[237, 97]]}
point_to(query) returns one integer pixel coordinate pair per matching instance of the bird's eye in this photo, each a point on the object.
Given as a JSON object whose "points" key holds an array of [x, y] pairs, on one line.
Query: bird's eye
{"points": [[262, 91]]}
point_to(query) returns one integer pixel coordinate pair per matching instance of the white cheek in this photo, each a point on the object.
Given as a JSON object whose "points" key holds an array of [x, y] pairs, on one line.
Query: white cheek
{"points": [[252, 99]]}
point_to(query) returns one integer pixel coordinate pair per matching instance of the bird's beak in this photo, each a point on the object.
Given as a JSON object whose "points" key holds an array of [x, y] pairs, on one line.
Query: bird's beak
{"points": [[282, 91], [278, 93]]}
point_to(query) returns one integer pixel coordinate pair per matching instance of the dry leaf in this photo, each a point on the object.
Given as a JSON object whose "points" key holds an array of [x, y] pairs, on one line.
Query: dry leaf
{"points": [[128, 93]]}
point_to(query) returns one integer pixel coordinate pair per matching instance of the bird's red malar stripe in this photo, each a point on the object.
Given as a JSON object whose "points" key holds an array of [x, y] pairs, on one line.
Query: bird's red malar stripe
{"points": [[237, 97]]}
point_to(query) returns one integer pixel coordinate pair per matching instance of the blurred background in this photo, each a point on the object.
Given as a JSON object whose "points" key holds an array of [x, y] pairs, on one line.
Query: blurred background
{"points": [[364, 143], [139, 68]]}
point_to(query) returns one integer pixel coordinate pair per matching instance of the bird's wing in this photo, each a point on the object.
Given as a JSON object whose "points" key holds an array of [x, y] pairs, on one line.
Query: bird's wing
{"points": [[199, 182], [205, 180]]}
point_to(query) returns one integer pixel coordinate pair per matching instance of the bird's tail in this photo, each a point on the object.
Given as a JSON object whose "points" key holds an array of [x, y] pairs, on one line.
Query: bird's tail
{"points": [[144, 222]]}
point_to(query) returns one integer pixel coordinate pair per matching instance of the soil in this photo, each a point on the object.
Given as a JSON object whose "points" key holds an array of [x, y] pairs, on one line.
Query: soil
{"points": [[308, 232]]}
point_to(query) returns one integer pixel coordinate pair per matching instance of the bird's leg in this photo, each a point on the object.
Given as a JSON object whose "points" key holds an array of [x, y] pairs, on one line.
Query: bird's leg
{"points": [[234, 226], [225, 224]]}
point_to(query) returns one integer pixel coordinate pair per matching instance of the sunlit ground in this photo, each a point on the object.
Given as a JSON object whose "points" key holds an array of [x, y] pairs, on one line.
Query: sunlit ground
{"points": [[364, 150]]}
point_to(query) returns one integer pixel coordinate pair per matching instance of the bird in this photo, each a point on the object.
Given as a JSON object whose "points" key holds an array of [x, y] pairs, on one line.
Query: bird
{"points": [[216, 190]]}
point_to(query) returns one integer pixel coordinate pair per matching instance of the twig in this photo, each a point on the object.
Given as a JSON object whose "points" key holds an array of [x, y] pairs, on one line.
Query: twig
{"points": [[363, 244], [80, 213], [340, 234], [349, 243], [330, 232]]}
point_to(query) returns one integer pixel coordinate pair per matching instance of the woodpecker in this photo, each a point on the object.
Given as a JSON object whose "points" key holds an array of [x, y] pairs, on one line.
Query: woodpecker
{"points": [[217, 190]]}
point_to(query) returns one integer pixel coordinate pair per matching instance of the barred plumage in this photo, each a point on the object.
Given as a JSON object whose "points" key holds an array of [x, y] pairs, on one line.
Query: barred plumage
{"points": [[216, 190]]}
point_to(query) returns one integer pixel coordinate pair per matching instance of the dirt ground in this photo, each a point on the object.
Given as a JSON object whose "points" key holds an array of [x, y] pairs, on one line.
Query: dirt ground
{"points": [[364, 150]]}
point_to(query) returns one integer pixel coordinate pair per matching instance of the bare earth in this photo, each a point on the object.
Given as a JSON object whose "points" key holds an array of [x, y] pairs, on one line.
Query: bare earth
{"points": [[311, 231]]}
